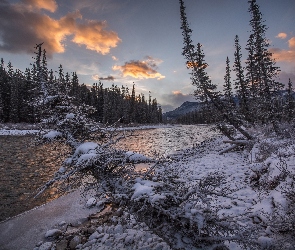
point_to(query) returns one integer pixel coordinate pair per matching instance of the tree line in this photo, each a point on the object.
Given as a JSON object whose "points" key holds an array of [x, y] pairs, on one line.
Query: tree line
{"points": [[22, 93], [255, 96]]}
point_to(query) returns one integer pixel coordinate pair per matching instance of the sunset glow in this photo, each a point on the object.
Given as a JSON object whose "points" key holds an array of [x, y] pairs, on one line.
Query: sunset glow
{"points": [[125, 42]]}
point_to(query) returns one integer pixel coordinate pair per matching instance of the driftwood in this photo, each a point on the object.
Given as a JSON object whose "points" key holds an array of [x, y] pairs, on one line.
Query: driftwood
{"points": [[236, 144], [239, 142], [228, 149]]}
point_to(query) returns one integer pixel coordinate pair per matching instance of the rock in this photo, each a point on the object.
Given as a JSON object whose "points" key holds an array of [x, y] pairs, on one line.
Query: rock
{"points": [[62, 223], [118, 229], [61, 245], [99, 229], [39, 243], [53, 233], [129, 240], [46, 246], [89, 243], [75, 242], [91, 202], [256, 220], [80, 222], [90, 230], [94, 235]]}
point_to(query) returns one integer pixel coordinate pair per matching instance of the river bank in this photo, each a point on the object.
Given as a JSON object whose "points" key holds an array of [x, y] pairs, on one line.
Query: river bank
{"points": [[251, 193], [24, 166]]}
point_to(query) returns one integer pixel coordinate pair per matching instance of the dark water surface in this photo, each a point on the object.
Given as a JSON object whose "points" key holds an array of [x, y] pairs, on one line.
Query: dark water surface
{"points": [[24, 167]]}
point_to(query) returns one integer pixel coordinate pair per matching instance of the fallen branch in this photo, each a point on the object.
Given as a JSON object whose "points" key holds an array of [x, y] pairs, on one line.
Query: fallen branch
{"points": [[239, 142], [228, 149]]}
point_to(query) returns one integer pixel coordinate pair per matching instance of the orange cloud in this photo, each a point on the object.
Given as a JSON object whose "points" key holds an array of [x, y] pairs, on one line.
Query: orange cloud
{"points": [[291, 43], [28, 26], [32, 5], [177, 92], [282, 55], [94, 36], [282, 35], [195, 65], [140, 69]]}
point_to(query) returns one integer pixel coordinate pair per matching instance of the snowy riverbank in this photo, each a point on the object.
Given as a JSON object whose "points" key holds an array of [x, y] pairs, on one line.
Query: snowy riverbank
{"points": [[30, 129], [251, 196]]}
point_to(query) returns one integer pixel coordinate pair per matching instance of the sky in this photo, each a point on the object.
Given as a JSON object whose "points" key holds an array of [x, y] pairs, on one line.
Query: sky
{"points": [[126, 42]]}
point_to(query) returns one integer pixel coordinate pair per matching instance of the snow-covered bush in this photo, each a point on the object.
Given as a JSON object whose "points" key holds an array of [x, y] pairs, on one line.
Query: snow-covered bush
{"points": [[93, 160], [180, 213], [274, 179]]}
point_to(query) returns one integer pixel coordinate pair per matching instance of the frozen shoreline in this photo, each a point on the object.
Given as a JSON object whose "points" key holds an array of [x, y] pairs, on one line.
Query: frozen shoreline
{"points": [[24, 231], [18, 131], [242, 203]]}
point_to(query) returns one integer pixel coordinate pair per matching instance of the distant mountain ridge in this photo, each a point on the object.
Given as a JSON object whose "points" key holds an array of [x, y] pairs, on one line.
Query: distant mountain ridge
{"points": [[183, 109]]}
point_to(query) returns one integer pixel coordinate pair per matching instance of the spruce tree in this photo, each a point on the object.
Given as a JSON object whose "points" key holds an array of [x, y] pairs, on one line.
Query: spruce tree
{"points": [[290, 103], [261, 68], [241, 86], [2, 84], [227, 87], [205, 88]]}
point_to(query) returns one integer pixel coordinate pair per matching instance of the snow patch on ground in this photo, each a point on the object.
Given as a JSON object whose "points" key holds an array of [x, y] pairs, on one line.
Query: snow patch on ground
{"points": [[17, 132]]}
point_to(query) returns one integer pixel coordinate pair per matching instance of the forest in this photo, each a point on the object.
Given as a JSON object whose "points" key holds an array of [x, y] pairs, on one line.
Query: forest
{"points": [[208, 196], [254, 96], [22, 92]]}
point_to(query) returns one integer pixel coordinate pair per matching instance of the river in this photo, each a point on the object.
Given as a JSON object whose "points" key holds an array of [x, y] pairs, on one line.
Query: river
{"points": [[24, 166]]}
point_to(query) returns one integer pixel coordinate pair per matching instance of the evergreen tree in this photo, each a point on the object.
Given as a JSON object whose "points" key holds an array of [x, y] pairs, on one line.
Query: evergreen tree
{"points": [[227, 87], [2, 88], [14, 83], [132, 105], [241, 86], [261, 67], [205, 88], [75, 86], [290, 103]]}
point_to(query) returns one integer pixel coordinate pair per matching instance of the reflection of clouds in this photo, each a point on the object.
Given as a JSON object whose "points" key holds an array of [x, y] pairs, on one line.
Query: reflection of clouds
{"points": [[28, 25]]}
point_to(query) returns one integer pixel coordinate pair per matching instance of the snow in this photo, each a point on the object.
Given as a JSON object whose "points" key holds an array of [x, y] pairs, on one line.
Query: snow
{"points": [[29, 228], [86, 148], [136, 157], [52, 135], [17, 132], [145, 188], [70, 116], [53, 233], [91, 202], [244, 204]]}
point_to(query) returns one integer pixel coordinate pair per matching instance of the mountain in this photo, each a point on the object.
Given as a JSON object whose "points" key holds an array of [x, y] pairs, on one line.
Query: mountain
{"points": [[185, 108]]}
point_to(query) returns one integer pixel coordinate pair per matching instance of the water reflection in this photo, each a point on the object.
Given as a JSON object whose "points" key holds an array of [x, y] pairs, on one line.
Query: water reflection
{"points": [[25, 167], [165, 141]]}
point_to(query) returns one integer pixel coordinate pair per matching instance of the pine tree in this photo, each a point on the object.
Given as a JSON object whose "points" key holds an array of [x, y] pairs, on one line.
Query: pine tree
{"points": [[241, 86], [261, 67], [290, 103], [2, 88], [227, 87], [205, 88], [132, 105], [75, 86]]}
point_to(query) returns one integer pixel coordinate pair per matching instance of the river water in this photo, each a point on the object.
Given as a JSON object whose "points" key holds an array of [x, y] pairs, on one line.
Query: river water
{"points": [[24, 166]]}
